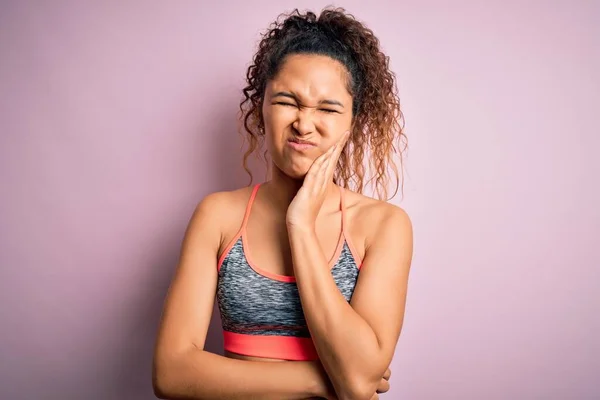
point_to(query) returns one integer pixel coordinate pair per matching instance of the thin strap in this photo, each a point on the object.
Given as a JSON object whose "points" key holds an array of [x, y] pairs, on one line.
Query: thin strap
{"points": [[343, 209], [241, 231], [357, 259], [249, 206]]}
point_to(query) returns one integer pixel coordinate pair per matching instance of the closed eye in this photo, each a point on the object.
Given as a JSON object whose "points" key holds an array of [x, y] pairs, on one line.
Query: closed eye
{"points": [[281, 103], [326, 110]]}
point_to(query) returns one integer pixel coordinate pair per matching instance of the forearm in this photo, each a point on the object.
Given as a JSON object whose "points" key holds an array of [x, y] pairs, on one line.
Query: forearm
{"points": [[347, 346], [202, 375]]}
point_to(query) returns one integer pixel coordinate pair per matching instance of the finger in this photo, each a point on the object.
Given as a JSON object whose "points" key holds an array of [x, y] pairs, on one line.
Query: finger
{"points": [[316, 166], [335, 155], [322, 158], [344, 139], [387, 374], [383, 386], [339, 147], [324, 162], [331, 150], [320, 178], [322, 168], [325, 157]]}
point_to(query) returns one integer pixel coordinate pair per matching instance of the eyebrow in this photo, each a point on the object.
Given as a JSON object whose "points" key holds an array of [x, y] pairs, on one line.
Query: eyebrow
{"points": [[291, 96]]}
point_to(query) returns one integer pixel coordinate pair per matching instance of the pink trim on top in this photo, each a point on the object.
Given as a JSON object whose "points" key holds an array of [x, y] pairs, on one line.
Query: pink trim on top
{"points": [[357, 259], [242, 228], [288, 278], [291, 278]]}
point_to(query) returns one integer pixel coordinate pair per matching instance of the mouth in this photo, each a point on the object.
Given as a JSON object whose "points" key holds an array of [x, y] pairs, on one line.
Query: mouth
{"points": [[300, 145]]}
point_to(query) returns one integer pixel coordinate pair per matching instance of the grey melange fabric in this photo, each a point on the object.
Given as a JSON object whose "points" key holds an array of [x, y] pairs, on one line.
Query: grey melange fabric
{"points": [[254, 304]]}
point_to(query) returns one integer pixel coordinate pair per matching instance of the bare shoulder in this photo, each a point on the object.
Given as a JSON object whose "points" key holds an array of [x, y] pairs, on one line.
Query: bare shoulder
{"points": [[222, 204], [221, 212], [370, 219]]}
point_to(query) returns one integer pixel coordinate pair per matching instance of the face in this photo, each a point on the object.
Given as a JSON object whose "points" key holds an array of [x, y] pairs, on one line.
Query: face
{"points": [[306, 109]]}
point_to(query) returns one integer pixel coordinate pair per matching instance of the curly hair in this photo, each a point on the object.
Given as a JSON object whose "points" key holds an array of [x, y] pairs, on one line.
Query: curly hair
{"points": [[378, 123]]}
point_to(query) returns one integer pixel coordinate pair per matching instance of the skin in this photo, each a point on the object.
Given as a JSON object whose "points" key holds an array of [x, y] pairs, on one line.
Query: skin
{"points": [[293, 230]]}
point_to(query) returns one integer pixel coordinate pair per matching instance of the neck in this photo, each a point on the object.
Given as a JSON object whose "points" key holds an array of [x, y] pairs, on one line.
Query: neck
{"points": [[282, 189]]}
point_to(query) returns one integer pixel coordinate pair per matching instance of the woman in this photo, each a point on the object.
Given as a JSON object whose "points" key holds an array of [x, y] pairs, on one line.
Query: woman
{"points": [[304, 270]]}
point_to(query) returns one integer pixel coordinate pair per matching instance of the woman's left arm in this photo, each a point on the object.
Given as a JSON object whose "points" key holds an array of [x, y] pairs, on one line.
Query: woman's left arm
{"points": [[356, 341]]}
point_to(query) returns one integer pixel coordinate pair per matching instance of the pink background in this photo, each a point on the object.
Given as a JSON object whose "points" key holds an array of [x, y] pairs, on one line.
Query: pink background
{"points": [[117, 117]]}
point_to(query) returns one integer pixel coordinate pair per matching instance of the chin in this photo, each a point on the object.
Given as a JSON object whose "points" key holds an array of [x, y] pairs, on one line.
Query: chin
{"points": [[294, 171], [296, 175]]}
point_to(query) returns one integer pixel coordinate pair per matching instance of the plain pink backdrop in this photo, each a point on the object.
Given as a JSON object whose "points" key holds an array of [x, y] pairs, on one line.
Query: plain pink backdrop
{"points": [[116, 118]]}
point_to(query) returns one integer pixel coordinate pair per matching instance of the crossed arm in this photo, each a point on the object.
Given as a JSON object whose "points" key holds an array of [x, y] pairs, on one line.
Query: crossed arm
{"points": [[356, 341], [183, 370]]}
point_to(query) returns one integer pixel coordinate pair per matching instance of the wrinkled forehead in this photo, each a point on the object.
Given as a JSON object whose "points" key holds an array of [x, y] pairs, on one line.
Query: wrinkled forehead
{"points": [[311, 78]]}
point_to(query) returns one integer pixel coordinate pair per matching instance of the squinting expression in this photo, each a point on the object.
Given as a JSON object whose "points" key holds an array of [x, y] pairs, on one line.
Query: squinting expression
{"points": [[306, 110]]}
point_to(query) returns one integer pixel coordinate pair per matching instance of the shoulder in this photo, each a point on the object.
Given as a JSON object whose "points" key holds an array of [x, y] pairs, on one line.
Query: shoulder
{"points": [[219, 211], [220, 203], [378, 219]]}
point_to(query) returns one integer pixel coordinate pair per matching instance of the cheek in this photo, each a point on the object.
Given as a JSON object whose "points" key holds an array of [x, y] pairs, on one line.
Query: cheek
{"points": [[333, 127], [282, 117], [330, 125], [276, 118]]}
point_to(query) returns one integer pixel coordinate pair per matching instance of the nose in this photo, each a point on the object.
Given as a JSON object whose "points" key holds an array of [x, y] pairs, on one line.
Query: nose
{"points": [[304, 123]]}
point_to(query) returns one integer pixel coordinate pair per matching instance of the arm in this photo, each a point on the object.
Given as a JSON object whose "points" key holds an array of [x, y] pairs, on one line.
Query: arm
{"points": [[203, 375], [356, 341], [181, 367]]}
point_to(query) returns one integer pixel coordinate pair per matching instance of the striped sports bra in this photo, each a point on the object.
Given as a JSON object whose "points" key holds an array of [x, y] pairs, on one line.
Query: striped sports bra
{"points": [[261, 311]]}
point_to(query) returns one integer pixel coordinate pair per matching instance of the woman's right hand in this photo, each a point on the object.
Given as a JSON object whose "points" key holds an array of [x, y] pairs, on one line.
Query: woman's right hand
{"points": [[384, 384], [383, 387]]}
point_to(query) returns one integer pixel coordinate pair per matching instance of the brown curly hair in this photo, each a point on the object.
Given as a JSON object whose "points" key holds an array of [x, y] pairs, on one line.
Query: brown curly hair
{"points": [[378, 123]]}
